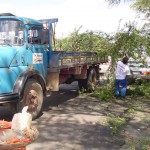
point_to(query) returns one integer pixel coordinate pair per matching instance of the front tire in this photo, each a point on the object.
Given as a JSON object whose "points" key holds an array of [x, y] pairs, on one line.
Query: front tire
{"points": [[32, 97]]}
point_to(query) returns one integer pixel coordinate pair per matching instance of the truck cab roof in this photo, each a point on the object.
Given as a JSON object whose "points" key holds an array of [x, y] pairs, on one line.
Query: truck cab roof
{"points": [[26, 21]]}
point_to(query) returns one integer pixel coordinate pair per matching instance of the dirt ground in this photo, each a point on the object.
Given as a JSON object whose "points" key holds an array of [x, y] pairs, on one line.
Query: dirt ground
{"points": [[70, 121]]}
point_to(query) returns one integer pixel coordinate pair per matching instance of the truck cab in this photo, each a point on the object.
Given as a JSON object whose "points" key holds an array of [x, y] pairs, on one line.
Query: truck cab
{"points": [[24, 58]]}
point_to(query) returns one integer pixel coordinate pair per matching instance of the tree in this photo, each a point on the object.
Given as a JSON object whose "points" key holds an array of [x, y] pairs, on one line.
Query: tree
{"points": [[88, 41], [141, 6], [130, 40]]}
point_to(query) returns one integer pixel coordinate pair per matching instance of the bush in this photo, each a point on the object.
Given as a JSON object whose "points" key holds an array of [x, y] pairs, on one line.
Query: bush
{"points": [[135, 91], [139, 88], [105, 92], [116, 123]]}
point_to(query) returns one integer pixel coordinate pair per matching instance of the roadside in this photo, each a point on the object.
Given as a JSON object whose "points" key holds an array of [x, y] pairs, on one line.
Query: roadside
{"points": [[81, 122]]}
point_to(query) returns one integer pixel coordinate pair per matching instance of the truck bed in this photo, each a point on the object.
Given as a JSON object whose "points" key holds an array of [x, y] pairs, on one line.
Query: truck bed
{"points": [[62, 59]]}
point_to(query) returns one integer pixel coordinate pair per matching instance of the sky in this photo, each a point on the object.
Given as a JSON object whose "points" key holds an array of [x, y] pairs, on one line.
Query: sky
{"points": [[95, 15]]}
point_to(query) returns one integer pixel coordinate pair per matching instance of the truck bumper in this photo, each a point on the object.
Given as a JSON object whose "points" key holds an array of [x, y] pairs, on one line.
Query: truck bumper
{"points": [[7, 98]]}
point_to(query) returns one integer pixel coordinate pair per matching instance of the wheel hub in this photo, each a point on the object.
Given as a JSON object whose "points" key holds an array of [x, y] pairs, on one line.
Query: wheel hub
{"points": [[32, 100]]}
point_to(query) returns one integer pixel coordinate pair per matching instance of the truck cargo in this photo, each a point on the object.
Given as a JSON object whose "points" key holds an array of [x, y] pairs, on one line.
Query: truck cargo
{"points": [[30, 68]]}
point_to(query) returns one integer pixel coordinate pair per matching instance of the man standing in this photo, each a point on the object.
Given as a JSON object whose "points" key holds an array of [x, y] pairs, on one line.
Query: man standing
{"points": [[122, 71]]}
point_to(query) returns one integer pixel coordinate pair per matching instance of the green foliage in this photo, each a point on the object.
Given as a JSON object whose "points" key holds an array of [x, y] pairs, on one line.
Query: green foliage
{"points": [[132, 148], [136, 91], [103, 93], [116, 123], [63, 44], [140, 88], [131, 110], [142, 143], [106, 92], [129, 40], [138, 81], [142, 6], [88, 41]]}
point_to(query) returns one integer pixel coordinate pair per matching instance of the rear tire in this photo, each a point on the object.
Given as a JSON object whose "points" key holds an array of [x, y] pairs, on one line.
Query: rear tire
{"points": [[92, 80], [32, 97], [89, 84], [82, 84]]}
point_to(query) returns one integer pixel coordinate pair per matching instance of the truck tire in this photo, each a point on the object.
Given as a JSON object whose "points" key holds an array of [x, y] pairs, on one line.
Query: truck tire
{"points": [[89, 84], [33, 98], [82, 84], [92, 80]]}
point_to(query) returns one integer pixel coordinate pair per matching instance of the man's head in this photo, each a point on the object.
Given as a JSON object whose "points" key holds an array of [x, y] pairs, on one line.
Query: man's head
{"points": [[125, 59]]}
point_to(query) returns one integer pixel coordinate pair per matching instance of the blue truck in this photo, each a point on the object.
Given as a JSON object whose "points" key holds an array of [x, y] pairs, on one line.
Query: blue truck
{"points": [[30, 68]]}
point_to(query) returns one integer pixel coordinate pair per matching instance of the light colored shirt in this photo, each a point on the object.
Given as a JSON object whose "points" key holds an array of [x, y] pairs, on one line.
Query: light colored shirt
{"points": [[122, 70]]}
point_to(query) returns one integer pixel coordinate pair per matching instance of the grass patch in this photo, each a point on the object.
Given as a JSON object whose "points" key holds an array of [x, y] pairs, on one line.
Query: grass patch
{"points": [[103, 93], [106, 92], [116, 123], [147, 120], [130, 110], [139, 89], [142, 143]]}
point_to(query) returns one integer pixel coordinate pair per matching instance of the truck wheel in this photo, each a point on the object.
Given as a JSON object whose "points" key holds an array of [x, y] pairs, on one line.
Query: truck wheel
{"points": [[33, 98], [91, 80], [82, 84], [90, 83]]}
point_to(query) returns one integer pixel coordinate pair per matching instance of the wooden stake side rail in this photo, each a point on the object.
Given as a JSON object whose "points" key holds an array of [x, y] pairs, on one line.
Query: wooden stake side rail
{"points": [[61, 60]]}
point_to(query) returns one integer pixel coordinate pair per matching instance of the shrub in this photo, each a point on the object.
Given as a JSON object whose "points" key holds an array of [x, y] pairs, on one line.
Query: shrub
{"points": [[103, 93], [116, 123]]}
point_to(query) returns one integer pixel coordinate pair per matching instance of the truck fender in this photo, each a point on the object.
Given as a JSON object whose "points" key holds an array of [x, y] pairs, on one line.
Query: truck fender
{"points": [[24, 77]]}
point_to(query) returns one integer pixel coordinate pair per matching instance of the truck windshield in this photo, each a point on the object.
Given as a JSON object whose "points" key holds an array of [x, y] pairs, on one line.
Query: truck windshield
{"points": [[11, 32]]}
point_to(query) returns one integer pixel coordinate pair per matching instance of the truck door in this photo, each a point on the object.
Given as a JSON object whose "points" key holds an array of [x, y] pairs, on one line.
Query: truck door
{"points": [[37, 49]]}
